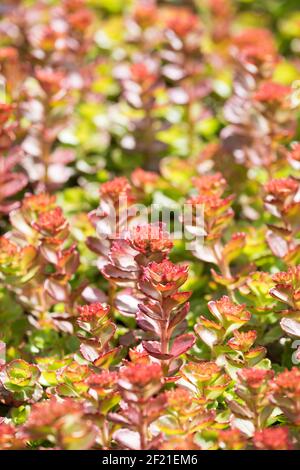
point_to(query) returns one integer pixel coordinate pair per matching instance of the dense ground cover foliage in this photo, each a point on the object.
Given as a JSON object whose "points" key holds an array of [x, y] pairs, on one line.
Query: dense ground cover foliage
{"points": [[115, 331]]}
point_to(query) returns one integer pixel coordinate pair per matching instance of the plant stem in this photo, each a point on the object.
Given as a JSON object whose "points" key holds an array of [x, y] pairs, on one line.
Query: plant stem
{"points": [[224, 268], [111, 296], [164, 345], [143, 430]]}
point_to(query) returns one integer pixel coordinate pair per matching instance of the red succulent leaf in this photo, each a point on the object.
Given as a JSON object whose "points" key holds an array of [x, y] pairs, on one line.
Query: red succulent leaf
{"points": [[57, 290], [154, 349], [128, 439], [290, 326], [182, 344]]}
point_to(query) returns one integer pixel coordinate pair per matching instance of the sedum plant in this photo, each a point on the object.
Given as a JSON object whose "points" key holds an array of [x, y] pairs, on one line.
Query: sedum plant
{"points": [[163, 312], [149, 225], [141, 404], [37, 259]]}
